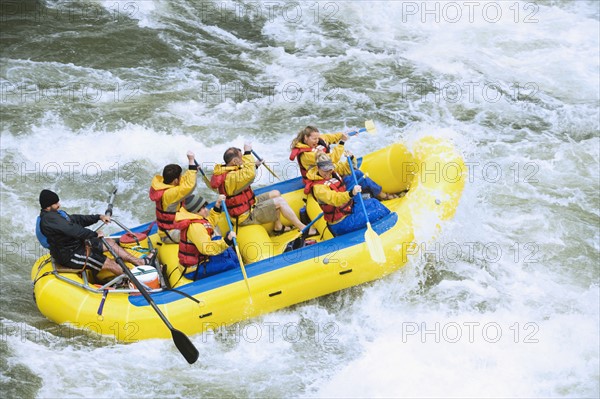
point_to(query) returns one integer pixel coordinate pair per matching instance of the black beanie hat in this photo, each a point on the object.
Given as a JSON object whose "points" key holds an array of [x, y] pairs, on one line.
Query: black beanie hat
{"points": [[48, 198]]}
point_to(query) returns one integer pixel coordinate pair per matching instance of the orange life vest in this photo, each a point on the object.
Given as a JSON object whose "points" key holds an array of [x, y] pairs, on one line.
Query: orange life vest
{"points": [[332, 213], [236, 204], [188, 253], [164, 219]]}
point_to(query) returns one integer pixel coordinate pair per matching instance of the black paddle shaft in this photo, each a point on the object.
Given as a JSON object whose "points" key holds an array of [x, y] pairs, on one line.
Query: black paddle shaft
{"points": [[111, 199], [182, 342]]}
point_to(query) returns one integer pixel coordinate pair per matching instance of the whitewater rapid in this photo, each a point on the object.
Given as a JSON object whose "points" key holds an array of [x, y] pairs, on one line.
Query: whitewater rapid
{"points": [[504, 303]]}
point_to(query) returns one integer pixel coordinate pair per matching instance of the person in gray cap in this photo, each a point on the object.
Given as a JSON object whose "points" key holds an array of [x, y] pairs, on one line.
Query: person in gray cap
{"points": [[198, 244], [336, 199], [66, 236]]}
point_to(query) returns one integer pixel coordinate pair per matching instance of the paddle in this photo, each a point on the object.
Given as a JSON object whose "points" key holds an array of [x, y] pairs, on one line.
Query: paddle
{"points": [[298, 241], [237, 249], [371, 238], [369, 127], [109, 208], [204, 177], [111, 199], [108, 212], [265, 165], [308, 226], [182, 342]]}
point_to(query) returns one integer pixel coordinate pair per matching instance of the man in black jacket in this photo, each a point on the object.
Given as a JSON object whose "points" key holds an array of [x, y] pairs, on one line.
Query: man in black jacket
{"points": [[67, 236]]}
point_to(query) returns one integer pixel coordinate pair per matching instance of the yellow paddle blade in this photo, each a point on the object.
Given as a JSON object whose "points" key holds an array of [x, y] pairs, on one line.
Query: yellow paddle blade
{"points": [[374, 245], [370, 126]]}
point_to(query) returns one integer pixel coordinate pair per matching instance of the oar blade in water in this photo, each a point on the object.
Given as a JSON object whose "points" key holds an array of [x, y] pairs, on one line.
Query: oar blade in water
{"points": [[185, 346]]}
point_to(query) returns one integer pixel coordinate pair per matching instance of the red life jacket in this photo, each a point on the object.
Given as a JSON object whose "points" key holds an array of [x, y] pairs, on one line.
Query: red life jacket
{"points": [[332, 213], [297, 152], [188, 253], [236, 204], [164, 219]]}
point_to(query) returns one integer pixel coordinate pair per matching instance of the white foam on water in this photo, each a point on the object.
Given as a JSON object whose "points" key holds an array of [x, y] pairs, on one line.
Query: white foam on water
{"points": [[520, 256]]}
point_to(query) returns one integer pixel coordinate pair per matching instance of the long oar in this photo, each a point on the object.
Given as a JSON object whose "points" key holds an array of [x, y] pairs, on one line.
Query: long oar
{"points": [[182, 342], [111, 199], [369, 128], [109, 208], [204, 177], [237, 250], [265, 165], [109, 212], [372, 240]]}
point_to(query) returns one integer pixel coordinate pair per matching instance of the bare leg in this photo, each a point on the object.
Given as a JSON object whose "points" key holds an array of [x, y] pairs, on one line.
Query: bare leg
{"points": [[275, 195], [277, 225], [112, 266], [127, 257], [289, 214]]}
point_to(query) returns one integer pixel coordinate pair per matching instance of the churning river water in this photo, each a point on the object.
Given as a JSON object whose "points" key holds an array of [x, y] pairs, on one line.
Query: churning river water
{"points": [[504, 303]]}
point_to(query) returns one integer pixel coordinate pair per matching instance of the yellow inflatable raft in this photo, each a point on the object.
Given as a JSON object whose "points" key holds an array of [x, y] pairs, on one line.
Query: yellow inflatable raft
{"points": [[433, 173]]}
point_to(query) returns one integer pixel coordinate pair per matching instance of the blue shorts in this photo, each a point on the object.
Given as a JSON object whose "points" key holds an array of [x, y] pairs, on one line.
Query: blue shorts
{"points": [[216, 264], [356, 220]]}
